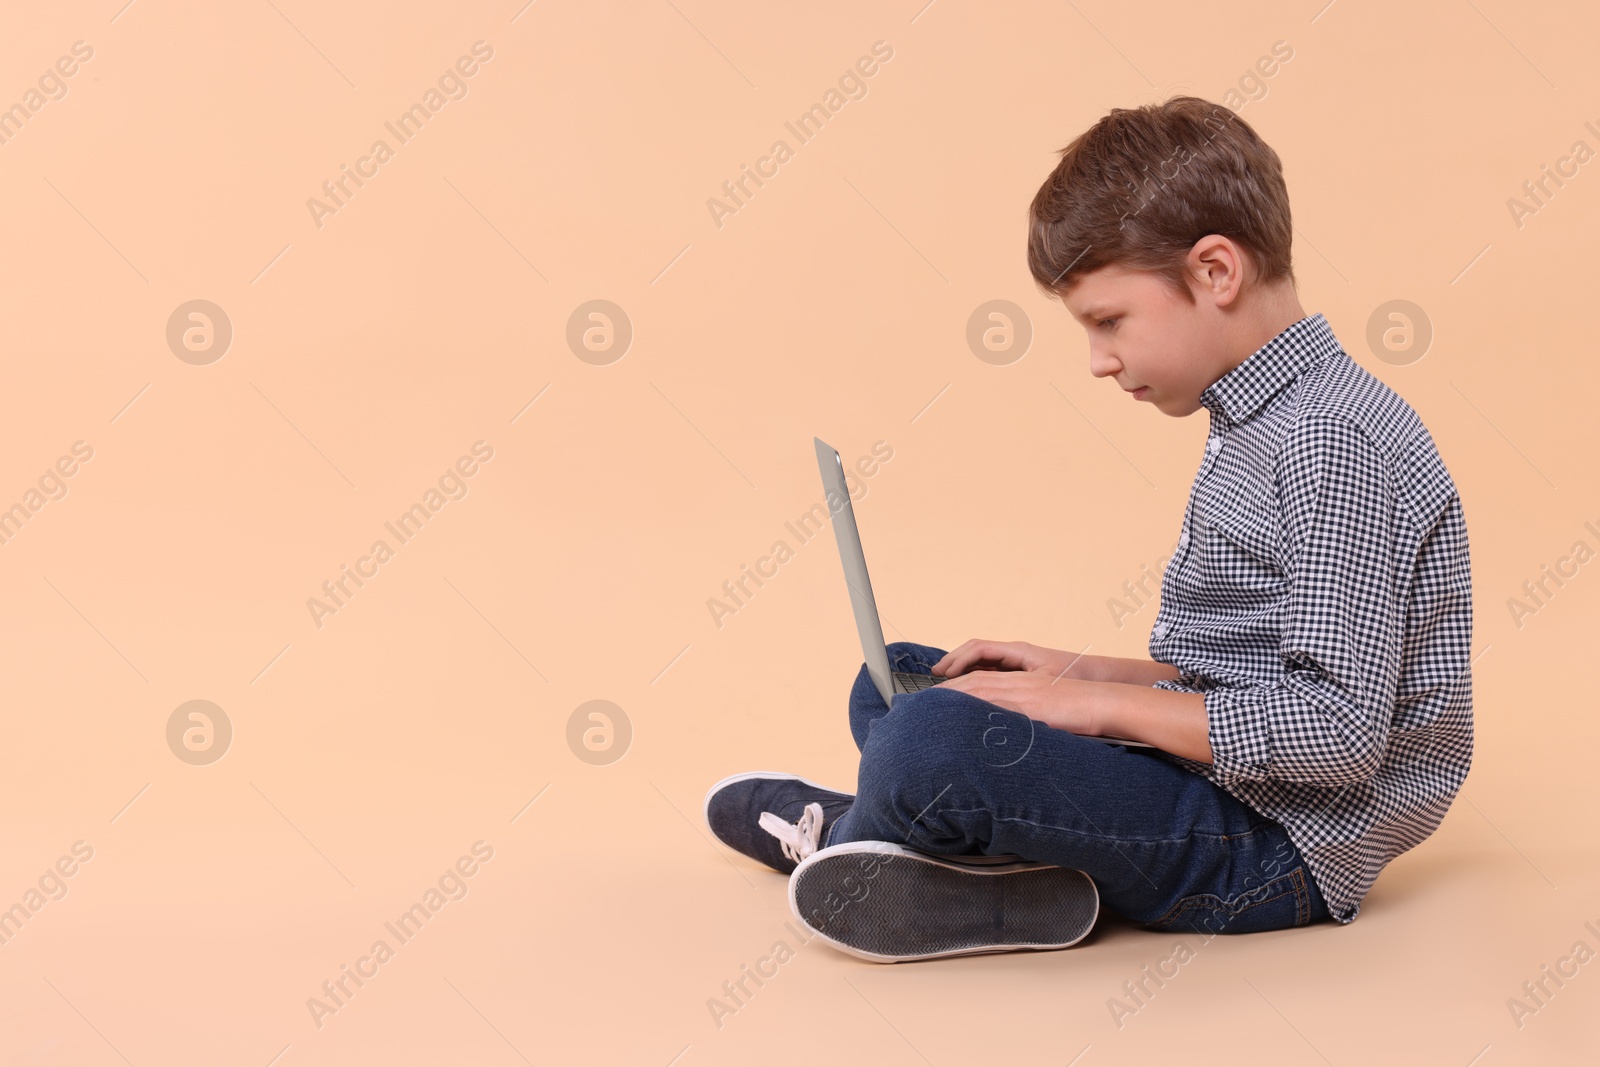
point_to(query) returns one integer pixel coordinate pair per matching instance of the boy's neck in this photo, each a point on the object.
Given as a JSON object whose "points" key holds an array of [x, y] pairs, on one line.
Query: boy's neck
{"points": [[1260, 316]]}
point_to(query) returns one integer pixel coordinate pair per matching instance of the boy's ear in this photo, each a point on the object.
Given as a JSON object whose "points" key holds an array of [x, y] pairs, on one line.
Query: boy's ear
{"points": [[1217, 269]]}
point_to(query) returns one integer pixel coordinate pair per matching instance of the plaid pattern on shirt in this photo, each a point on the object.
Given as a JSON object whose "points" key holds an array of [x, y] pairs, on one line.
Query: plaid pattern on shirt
{"points": [[1321, 599]]}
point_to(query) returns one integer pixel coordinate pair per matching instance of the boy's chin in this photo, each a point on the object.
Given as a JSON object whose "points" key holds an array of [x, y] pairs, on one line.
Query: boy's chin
{"points": [[1176, 409]]}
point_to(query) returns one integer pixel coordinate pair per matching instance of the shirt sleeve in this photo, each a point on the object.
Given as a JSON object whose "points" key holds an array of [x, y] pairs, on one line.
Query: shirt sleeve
{"points": [[1326, 720]]}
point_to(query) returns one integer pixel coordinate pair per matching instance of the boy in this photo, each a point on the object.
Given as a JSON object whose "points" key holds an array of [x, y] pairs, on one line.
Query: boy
{"points": [[1308, 694]]}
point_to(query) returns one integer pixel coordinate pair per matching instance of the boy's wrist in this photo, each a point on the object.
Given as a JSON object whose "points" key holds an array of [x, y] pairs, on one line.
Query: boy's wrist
{"points": [[1097, 669], [1173, 722], [1130, 671], [1084, 667]]}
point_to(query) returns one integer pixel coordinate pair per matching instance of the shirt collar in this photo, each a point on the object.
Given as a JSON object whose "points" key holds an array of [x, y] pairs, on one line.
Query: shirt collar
{"points": [[1242, 391]]}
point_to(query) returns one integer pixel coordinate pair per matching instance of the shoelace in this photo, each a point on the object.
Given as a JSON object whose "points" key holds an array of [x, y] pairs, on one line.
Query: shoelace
{"points": [[799, 838]]}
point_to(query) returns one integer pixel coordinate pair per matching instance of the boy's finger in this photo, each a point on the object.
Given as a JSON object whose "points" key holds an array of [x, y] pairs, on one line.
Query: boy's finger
{"points": [[988, 655], [974, 654], [952, 661]]}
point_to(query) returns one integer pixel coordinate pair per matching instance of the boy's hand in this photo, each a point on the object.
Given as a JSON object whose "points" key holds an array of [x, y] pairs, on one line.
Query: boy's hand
{"points": [[984, 655], [1060, 702]]}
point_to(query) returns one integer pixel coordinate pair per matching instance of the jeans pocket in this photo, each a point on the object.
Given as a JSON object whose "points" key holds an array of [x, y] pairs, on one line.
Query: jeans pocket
{"points": [[1283, 902]]}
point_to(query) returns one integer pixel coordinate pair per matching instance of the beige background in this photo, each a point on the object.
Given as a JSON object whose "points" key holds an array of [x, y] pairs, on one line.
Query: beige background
{"points": [[371, 352]]}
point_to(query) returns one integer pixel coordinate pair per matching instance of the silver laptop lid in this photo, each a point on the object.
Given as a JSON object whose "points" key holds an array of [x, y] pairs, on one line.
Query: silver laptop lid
{"points": [[874, 651]]}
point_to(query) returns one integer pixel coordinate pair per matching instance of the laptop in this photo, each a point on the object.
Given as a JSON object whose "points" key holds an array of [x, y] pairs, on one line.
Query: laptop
{"points": [[874, 650]]}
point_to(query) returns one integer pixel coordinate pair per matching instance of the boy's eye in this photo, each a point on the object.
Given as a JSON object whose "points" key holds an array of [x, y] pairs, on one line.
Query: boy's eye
{"points": [[1106, 323]]}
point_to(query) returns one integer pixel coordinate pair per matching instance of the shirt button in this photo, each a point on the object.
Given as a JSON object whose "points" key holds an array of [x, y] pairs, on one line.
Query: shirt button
{"points": [[1159, 628], [1213, 444], [1183, 539]]}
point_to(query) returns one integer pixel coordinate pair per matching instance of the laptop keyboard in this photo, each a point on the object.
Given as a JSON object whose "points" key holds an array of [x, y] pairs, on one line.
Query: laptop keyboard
{"points": [[913, 683]]}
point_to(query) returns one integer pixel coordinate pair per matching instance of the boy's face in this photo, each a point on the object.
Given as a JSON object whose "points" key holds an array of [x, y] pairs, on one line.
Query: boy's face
{"points": [[1146, 337]]}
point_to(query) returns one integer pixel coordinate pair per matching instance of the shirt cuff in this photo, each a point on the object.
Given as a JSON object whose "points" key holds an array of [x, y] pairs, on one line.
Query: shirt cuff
{"points": [[1241, 740]]}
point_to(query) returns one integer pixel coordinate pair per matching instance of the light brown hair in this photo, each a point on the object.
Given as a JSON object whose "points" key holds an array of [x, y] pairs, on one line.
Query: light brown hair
{"points": [[1142, 185]]}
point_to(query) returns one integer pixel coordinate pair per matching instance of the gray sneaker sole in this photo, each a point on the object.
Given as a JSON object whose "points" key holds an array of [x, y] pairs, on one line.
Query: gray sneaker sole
{"points": [[891, 904]]}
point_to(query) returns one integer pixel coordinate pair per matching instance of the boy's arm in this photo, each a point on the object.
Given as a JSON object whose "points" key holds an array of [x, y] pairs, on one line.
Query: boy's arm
{"points": [[1106, 695], [1131, 671], [1173, 722], [1325, 719], [987, 654]]}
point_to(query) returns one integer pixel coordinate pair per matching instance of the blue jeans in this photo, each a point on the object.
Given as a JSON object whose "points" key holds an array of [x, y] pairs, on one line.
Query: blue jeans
{"points": [[947, 773]]}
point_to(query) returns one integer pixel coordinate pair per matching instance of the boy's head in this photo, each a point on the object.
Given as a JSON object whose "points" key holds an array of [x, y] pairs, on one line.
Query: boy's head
{"points": [[1165, 231]]}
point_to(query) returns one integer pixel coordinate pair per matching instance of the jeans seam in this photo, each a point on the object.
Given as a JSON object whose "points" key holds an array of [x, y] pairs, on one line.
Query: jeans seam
{"points": [[1120, 839], [1098, 835], [1297, 887]]}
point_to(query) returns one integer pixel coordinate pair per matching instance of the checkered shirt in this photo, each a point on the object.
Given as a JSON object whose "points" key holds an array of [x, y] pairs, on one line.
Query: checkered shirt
{"points": [[1320, 597]]}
